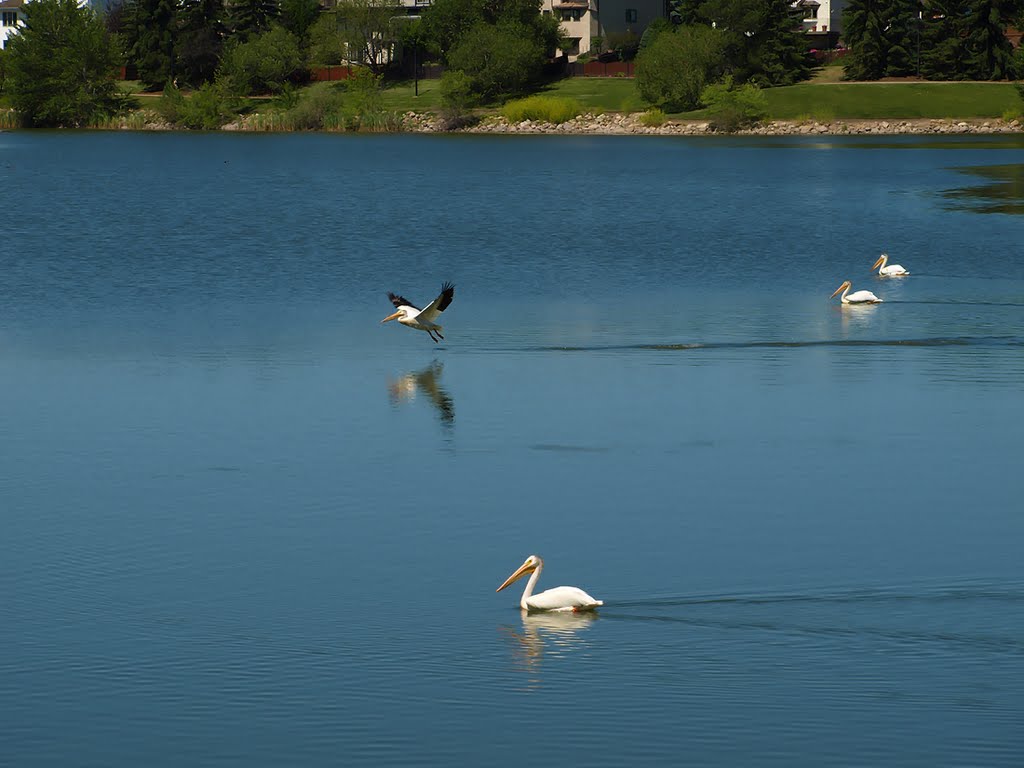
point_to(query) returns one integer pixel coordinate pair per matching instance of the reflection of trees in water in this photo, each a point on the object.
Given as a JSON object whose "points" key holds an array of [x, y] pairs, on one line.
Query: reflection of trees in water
{"points": [[551, 634], [405, 388], [1004, 192]]}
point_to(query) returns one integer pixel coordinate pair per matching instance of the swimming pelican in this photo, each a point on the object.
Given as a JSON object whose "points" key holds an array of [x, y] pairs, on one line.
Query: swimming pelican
{"points": [[859, 297], [893, 270], [557, 599], [422, 319]]}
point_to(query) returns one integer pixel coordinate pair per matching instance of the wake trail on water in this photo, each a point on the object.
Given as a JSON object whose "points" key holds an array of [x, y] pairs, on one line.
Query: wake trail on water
{"points": [[949, 341]]}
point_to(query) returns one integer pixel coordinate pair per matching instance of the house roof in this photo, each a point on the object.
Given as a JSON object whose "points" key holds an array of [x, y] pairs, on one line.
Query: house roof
{"points": [[12, 4]]}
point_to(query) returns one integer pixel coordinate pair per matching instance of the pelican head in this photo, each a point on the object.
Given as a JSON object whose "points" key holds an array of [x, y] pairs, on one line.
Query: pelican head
{"points": [[846, 284], [881, 261], [399, 315], [532, 564]]}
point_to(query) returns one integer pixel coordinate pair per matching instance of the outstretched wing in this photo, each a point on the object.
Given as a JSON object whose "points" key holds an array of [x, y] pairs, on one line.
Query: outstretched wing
{"points": [[440, 304], [400, 301]]}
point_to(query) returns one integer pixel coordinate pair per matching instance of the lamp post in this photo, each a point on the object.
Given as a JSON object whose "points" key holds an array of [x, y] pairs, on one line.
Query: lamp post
{"points": [[415, 52]]}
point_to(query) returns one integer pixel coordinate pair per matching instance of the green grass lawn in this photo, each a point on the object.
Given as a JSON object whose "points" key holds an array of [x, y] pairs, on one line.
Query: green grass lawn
{"points": [[892, 100], [821, 100]]}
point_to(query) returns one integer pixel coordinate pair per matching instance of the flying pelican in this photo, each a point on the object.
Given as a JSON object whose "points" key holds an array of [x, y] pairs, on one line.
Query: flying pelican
{"points": [[859, 297], [422, 319], [893, 270], [557, 599]]}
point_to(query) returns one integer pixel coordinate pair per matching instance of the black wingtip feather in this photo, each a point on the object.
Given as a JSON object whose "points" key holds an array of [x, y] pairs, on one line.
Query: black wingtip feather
{"points": [[400, 301], [447, 294]]}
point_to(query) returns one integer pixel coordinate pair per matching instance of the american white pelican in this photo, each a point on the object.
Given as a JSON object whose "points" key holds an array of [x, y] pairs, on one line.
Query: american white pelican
{"points": [[557, 599], [893, 270], [422, 319], [858, 297]]}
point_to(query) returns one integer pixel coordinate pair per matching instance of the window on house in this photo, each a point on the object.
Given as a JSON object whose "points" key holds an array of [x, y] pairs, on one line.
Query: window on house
{"points": [[10, 19], [631, 15], [572, 14]]}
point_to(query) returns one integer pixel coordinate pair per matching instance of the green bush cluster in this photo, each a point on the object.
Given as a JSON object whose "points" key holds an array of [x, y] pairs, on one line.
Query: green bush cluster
{"points": [[206, 109], [653, 118], [730, 109], [543, 109]]}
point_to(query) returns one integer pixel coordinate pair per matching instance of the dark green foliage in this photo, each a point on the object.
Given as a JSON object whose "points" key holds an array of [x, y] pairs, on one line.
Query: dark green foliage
{"points": [[990, 55], [200, 41], [251, 17], [499, 60], [654, 29], [264, 64], [673, 70], [456, 94], [319, 107], [208, 108], [154, 36], [61, 67], [731, 108], [884, 38], [326, 41], [685, 12], [864, 32], [764, 40], [298, 16], [944, 50], [448, 22]]}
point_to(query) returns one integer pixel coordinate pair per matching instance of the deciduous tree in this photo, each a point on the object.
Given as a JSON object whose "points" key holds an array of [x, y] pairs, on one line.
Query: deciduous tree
{"points": [[61, 67]]}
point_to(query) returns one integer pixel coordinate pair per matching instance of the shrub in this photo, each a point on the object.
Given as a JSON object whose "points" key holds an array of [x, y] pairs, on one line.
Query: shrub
{"points": [[457, 95], [545, 109], [731, 109], [207, 109], [653, 118], [265, 63], [672, 71], [320, 107], [498, 60]]}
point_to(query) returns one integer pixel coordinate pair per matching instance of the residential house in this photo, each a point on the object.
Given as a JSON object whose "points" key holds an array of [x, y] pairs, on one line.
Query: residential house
{"points": [[822, 21], [12, 16], [585, 21]]}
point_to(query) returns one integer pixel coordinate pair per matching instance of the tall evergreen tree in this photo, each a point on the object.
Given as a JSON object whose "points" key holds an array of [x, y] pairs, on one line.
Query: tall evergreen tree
{"points": [[200, 40], [765, 42], [864, 23], [902, 35], [944, 52], [989, 54], [298, 16], [778, 50], [155, 24], [251, 17]]}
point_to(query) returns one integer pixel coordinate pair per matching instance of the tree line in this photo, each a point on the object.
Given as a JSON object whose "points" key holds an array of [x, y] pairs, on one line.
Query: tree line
{"points": [[60, 69], [936, 40]]}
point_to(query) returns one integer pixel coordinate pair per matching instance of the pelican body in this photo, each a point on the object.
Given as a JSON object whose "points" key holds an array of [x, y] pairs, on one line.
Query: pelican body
{"points": [[557, 599], [893, 270], [857, 297], [409, 315]]}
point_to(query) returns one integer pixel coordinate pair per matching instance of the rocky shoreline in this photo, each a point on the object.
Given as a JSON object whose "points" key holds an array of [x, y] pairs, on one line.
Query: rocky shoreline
{"points": [[632, 124]]}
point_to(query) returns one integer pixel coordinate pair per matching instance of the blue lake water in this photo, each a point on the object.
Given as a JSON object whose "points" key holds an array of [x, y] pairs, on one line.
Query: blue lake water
{"points": [[243, 523]]}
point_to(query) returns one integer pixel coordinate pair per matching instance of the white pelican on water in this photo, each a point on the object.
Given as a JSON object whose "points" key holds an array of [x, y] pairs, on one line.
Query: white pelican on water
{"points": [[893, 270], [422, 319], [858, 297], [557, 599]]}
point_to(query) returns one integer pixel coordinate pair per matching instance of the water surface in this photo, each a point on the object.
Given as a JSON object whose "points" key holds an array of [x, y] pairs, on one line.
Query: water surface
{"points": [[245, 524]]}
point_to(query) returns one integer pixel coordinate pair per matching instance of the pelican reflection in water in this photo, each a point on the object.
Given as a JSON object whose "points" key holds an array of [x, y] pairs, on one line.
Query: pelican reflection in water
{"points": [[554, 634], [406, 387]]}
